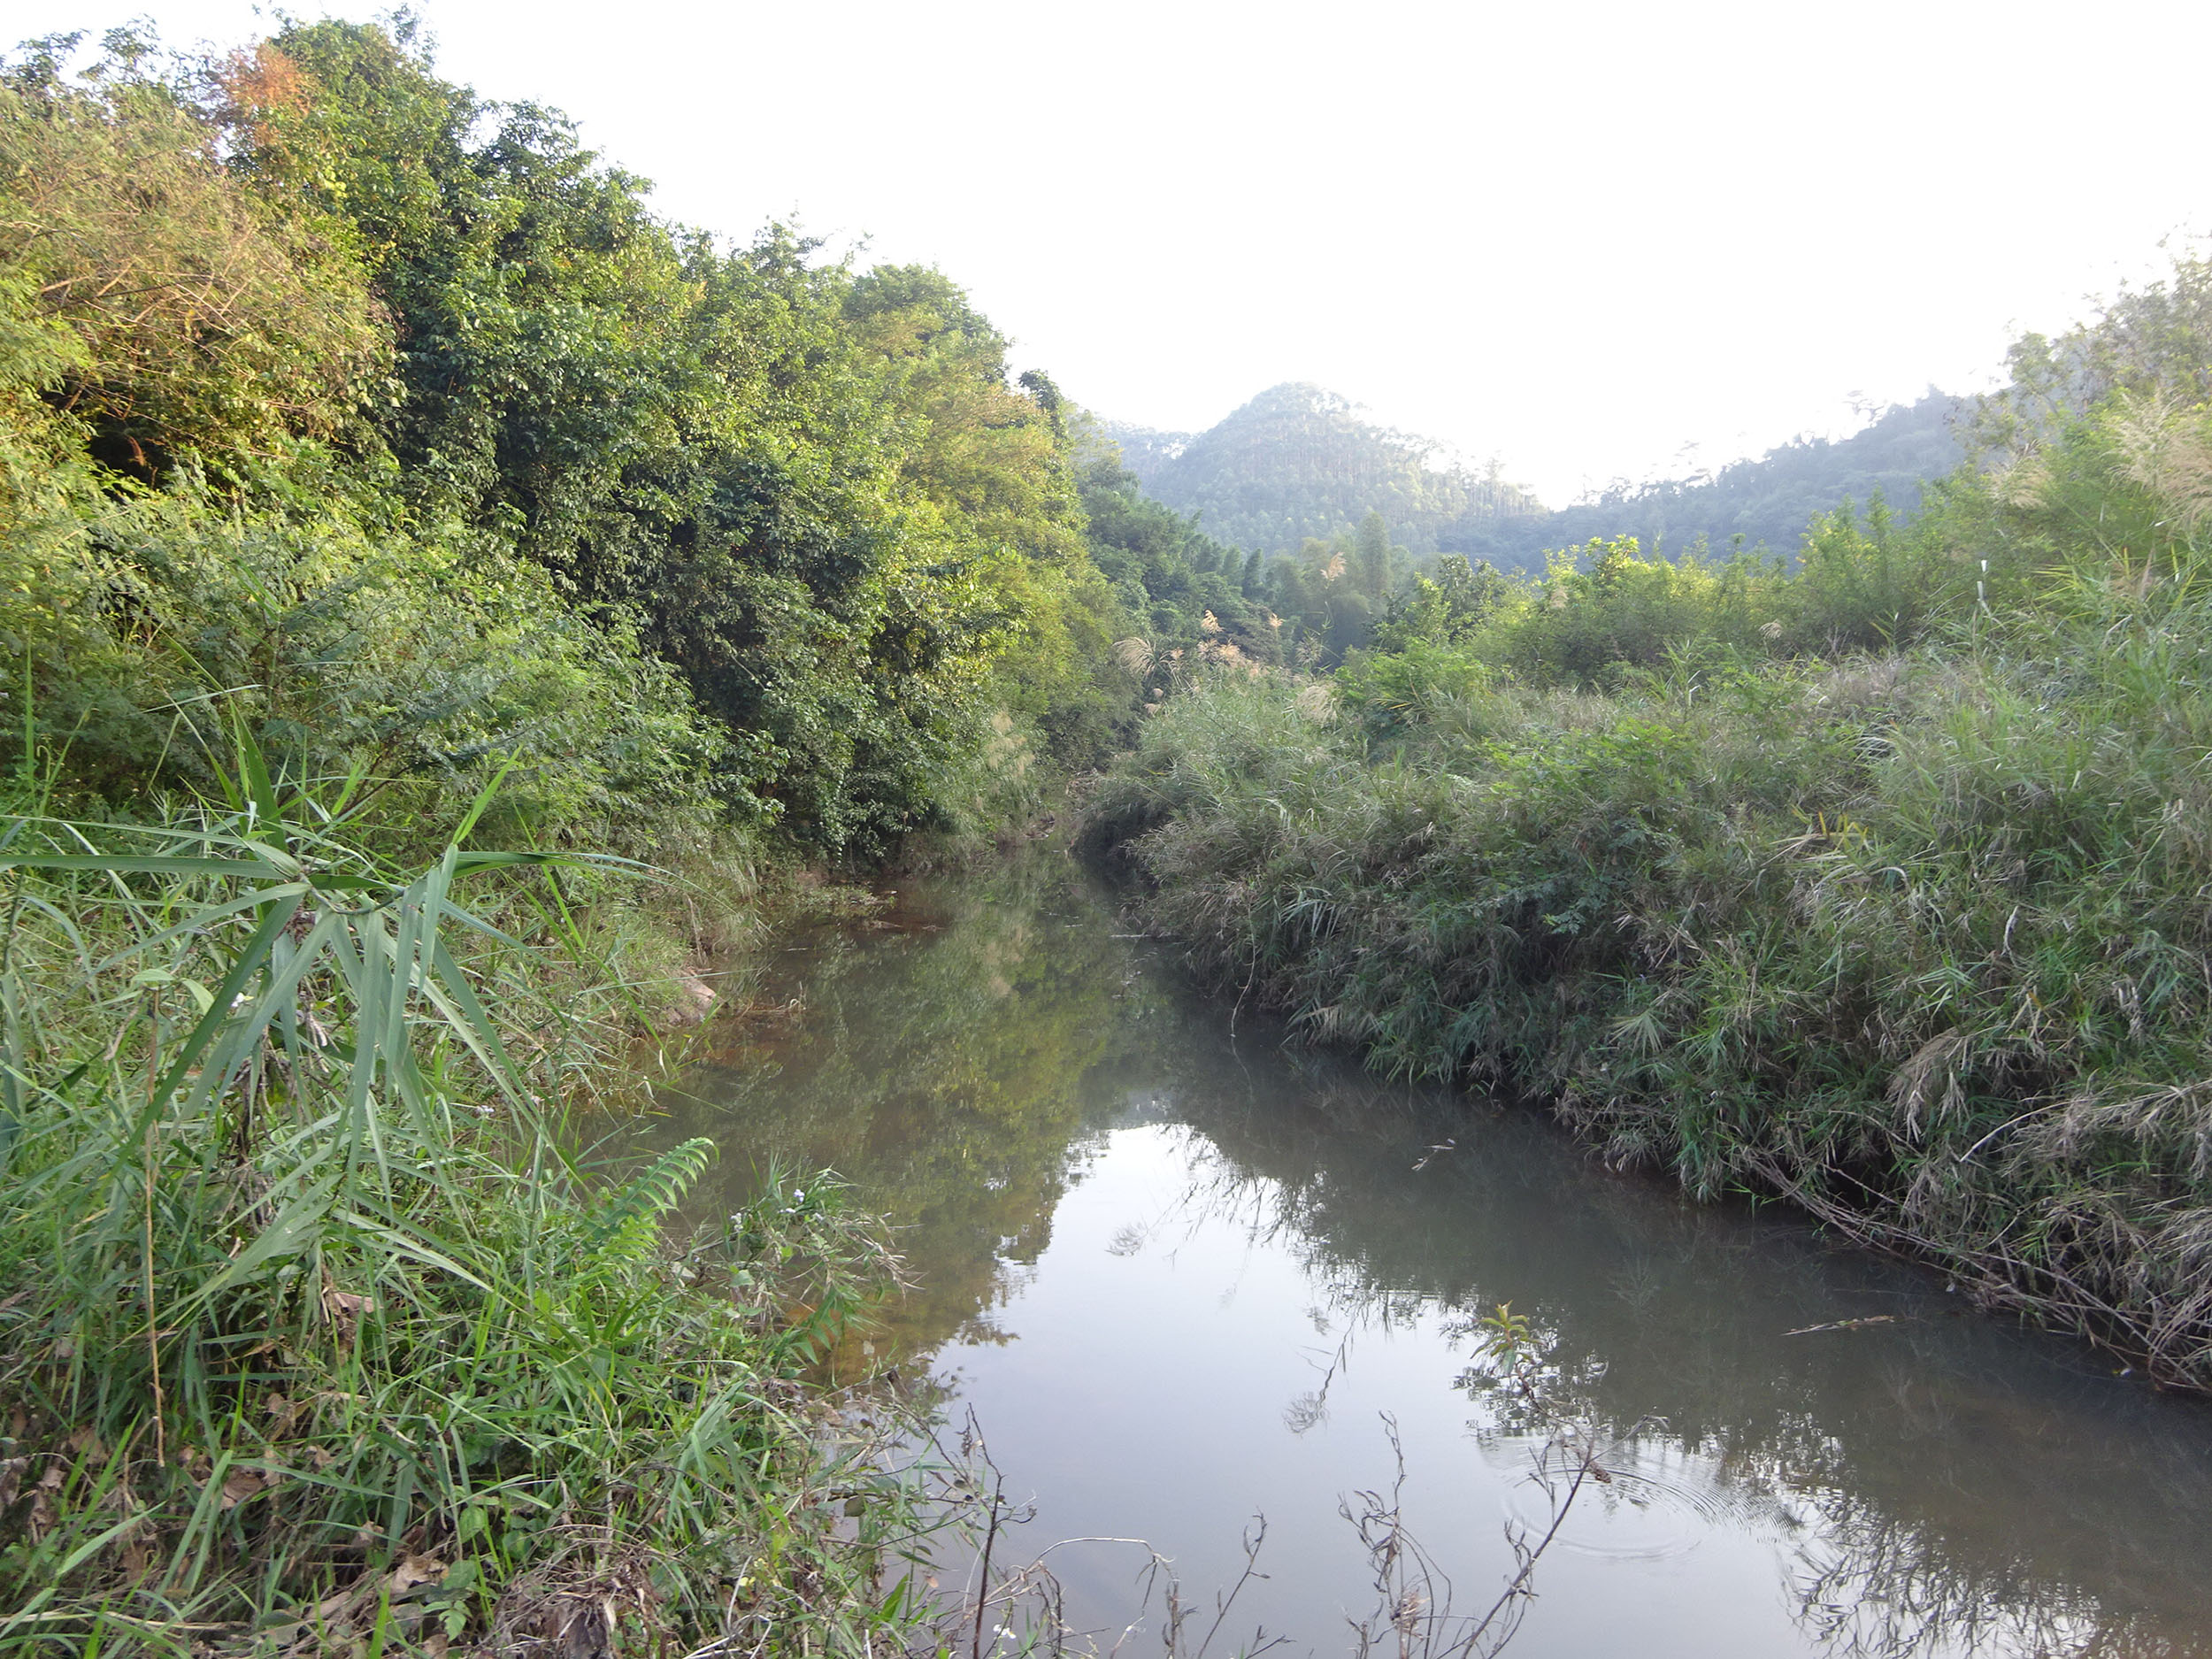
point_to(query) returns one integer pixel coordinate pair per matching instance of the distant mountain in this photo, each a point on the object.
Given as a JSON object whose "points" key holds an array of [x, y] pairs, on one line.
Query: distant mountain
{"points": [[1298, 461], [1768, 501]]}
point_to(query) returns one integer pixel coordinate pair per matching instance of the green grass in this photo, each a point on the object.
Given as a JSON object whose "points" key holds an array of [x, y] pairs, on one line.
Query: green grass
{"points": [[313, 1335]]}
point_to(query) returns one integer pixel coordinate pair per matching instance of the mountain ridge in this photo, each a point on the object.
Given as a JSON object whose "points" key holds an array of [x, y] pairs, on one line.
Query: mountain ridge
{"points": [[1298, 461]]}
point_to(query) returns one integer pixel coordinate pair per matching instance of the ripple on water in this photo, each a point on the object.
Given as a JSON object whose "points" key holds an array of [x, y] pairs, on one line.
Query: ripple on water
{"points": [[1655, 1503]]}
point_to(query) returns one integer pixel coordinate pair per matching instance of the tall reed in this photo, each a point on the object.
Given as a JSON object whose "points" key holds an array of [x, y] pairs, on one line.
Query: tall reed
{"points": [[313, 1332]]}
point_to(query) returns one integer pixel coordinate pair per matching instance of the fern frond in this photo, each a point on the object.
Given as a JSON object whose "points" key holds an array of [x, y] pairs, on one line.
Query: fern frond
{"points": [[654, 1192]]}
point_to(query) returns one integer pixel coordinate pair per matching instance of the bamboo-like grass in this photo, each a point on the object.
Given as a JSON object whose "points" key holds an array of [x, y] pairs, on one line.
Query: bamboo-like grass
{"points": [[314, 1334], [1920, 941]]}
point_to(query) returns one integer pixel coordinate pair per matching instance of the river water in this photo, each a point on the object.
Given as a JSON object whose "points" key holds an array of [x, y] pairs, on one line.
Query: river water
{"points": [[1186, 1276]]}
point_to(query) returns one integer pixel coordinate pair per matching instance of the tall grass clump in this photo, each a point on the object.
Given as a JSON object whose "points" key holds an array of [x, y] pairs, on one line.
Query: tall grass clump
{"points": [[1913, 932], [312, 1336]]}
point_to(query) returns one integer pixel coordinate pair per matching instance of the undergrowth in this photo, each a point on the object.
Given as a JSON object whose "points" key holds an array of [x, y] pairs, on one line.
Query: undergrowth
{"points": [[314, 1334]]}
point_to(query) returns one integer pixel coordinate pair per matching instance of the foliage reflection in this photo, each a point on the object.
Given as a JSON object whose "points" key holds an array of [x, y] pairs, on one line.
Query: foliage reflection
{"points": [[1939, 1482]]}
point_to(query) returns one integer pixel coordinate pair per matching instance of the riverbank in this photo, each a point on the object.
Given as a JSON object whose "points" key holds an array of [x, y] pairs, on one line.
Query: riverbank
{"points": [[1916, 940], [317, 1333]]}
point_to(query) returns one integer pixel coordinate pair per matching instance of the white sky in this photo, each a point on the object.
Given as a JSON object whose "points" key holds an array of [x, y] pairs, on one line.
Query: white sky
{"points": [[1598, 240]]}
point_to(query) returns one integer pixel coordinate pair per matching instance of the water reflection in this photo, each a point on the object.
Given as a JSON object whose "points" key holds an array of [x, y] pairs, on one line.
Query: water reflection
{"points": [[1823, 1453], [935, 1060]]}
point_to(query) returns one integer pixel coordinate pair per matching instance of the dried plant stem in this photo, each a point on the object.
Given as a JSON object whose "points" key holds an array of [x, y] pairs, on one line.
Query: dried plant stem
{"points": [[153, 1320]]}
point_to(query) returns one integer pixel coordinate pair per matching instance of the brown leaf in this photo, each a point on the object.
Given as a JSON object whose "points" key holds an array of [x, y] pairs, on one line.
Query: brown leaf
{"points": [[330, 1606], [282, 1414], [588, 1632], [333, 1618], [413, 1571], [344, 1309]]}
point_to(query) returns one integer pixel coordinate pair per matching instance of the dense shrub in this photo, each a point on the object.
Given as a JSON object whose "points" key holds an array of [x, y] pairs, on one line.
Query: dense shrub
{"points": [[422, 437]]}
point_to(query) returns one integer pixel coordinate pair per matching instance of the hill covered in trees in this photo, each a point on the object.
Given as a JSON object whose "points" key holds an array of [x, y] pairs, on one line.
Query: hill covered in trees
{"points": [[1767, 501], [1298, 463]]}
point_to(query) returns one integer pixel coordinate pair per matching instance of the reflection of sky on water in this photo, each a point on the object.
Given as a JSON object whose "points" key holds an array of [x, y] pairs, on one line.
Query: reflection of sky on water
{"points": [[1146, 1395], [1181, 1276]]}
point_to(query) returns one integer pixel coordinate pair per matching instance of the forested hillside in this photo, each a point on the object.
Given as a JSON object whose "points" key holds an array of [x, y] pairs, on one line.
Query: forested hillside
{"points": [[1334, 516], [1298, 462], [1767, 502]]}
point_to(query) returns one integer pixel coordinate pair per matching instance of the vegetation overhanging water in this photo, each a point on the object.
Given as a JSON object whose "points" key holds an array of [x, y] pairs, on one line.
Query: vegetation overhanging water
{"points": [[452, 615]]}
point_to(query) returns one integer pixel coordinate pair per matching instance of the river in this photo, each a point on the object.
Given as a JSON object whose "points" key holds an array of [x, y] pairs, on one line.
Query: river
{"points": [[1186, 1275]]}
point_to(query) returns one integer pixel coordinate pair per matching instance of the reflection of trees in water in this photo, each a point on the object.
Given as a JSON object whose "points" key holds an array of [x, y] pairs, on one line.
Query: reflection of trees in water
{"points": [[1870, 1586], [1952, 1495], [937, 1065], [1947, 1492]]}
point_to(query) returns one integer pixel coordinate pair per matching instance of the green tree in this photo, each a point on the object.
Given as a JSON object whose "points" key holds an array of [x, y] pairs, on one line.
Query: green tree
{"points": [[1372, 563], [812, 492], [211, 329]]}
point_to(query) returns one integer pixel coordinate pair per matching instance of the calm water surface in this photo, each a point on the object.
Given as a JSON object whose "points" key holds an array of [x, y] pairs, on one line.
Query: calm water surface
{"points": [[1185, 1276]]}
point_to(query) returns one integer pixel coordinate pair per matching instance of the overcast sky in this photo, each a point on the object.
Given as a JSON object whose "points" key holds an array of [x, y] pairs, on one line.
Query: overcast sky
{"points": [[1596, 241]]}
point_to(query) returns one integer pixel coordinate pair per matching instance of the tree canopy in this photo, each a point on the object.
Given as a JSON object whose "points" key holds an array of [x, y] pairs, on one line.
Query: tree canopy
{"points": [[318, 291]]}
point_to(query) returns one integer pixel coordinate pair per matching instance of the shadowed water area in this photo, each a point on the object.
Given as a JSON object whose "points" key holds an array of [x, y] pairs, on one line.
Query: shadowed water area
{"points": [[1186, 1275]]}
